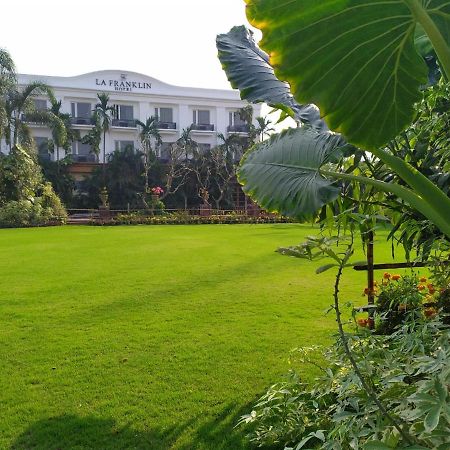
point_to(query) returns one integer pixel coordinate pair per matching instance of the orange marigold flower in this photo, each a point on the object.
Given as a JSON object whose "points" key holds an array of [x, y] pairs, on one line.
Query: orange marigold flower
{"points": [[421, 287], [396, 277], [386, 275], [423, 279], [363, 322], [431, 290], [430, 312]]}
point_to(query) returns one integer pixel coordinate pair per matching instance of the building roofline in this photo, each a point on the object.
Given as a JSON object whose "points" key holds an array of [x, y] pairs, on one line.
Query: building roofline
{"points": [[129, 72]]}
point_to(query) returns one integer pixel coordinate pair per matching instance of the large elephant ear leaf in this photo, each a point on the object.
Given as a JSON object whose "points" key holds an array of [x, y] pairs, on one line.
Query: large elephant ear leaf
{"points": [[355, 59], [283, 174], [248, 69]]}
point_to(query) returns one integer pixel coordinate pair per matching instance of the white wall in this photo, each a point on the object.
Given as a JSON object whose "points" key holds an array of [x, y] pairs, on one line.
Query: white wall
{"points": [[145, 94]]}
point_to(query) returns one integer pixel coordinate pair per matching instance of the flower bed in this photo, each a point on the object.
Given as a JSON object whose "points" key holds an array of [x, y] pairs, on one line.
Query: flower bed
{"points": [[186, 219]]}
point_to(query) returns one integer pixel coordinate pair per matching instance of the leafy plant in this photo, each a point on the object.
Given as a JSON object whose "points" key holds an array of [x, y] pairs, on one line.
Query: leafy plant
{"points": [[298, 31], [410, 373]]}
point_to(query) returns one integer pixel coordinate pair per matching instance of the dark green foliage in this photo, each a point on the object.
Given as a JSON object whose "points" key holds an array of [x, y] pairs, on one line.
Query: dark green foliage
{"points": [[248, 69], [20, 175], [44, 209], [57, 173], [124, 178], [425, 145], [398, 301], [187, 219]]}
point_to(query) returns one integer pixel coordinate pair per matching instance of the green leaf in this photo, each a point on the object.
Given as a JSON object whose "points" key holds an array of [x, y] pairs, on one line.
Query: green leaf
{"points": [[325, 267], [432, 418], [376, 445], [417, 447], [355, 59], [248, 69], [282, 174]]}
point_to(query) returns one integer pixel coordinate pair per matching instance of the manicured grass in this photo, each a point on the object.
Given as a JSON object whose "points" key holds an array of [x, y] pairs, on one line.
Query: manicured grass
{"points": [[151, 337]]}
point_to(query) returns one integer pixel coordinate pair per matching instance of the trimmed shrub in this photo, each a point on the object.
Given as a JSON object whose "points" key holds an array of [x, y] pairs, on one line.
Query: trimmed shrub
{"points": [[186, 219]]}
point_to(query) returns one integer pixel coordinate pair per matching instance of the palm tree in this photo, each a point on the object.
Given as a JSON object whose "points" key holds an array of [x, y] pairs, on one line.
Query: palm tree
{"points": [[186, 143], [58, 125], [94, 137], [7, 81], [105, 114], [231, 145], [148, 134], [20, 105], [264, 127]]}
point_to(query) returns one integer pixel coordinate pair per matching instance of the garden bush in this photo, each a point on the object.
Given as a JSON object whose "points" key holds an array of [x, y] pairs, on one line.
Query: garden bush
{"points": [[46, 209], [187, 219], [410, 369]]}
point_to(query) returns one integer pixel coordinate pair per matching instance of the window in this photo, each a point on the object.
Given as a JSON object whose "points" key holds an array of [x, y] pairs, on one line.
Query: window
{"points": [[84, 149], [235, 119], [40, 105], [201, 117], [42, 147], [164, 114], [83, 152], [81, 109], [123, 145], [124, 112]]}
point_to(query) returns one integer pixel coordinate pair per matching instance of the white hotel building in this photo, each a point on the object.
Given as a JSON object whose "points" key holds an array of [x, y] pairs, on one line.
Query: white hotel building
{"points": [[137, 96]]}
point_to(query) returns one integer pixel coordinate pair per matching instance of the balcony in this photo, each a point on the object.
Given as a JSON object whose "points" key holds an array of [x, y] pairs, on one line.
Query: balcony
{"points": [[202, 127], [124, 123], [167, 125], [81, 121], [31, 120], [85, 158], [238, 128]]}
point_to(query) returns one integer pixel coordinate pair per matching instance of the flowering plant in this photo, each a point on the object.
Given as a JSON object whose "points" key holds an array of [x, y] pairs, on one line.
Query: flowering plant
{"points": [[398, 296], [157, 190]]}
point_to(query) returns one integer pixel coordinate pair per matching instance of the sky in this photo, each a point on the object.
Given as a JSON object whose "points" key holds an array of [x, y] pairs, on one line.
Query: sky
{"points": [[171, 40]]}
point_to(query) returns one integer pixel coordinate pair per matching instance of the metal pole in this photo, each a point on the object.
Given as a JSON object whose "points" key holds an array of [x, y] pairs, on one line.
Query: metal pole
{"points": [[370, 278]]}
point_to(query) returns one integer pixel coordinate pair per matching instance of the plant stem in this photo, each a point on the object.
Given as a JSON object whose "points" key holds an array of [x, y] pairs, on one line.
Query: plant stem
{"points": [[370, 392], [423, 206], [433, 32]]}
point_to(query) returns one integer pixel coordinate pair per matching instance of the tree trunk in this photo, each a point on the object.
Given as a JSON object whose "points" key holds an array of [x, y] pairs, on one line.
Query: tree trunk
{"points": [[104, 158]]}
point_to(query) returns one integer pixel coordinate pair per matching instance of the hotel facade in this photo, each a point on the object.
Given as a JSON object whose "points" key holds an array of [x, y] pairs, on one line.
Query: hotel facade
{"points": [[136, 96]]}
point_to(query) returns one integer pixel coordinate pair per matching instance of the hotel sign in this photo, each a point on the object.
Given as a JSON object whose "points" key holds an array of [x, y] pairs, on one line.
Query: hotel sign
{"points": [[123, 84]]}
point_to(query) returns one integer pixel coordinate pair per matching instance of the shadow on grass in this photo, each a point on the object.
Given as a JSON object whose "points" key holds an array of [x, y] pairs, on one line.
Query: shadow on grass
{"points": [[70, 432]]}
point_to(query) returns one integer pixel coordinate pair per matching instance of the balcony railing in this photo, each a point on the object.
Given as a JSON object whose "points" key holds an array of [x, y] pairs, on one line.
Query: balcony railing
{"points": [[85, 158], [167, 125], [125, 123], [238, 128], [202, 127], [82, 121], [31, 119]]}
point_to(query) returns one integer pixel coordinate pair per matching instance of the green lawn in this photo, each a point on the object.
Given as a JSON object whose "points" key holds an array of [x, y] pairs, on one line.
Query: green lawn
{"points": [[151, 337]]}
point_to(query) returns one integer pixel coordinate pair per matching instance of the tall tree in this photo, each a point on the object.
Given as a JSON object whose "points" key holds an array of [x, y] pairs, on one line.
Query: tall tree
{"points": [[186, 143], [94, 137], [7, 81], [264, 127], [61, 127], [20, 109], [105, 113], [150, 140]]}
